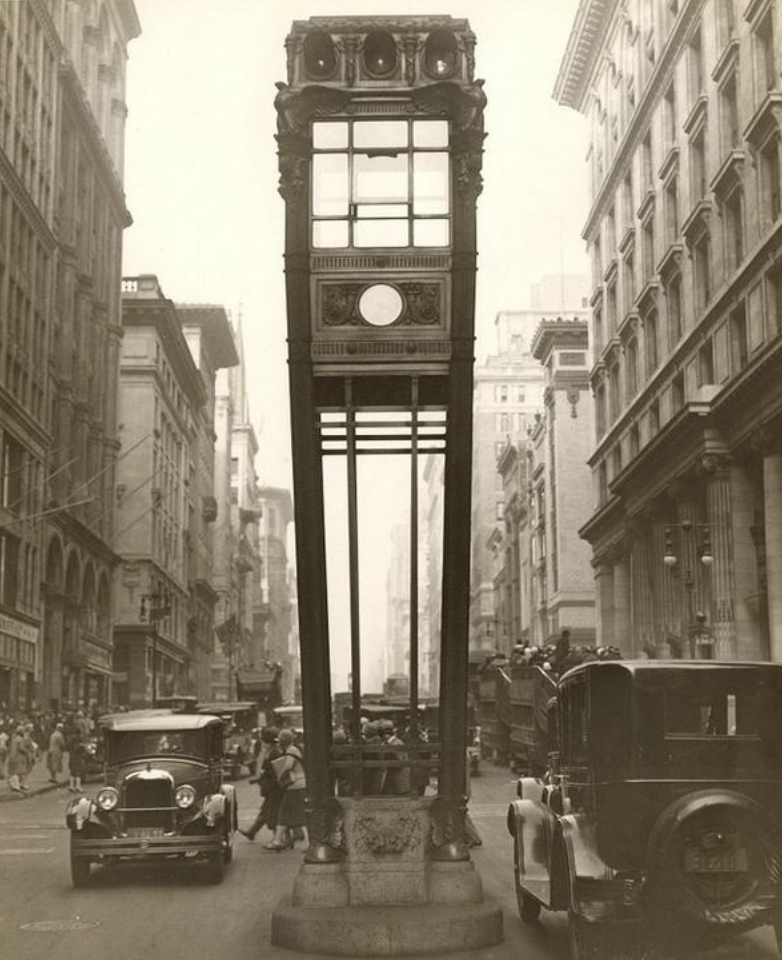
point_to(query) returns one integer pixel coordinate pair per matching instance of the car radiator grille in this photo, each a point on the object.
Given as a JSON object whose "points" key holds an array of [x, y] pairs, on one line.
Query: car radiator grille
{"points": [[140, 799]]}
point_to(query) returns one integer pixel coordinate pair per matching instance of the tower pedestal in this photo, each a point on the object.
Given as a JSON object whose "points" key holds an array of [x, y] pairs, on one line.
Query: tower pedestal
{"points": [[387, 896]]}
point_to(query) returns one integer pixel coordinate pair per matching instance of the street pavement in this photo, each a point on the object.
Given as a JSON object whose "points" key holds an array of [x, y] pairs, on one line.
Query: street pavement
{"points": [[135, 912]]}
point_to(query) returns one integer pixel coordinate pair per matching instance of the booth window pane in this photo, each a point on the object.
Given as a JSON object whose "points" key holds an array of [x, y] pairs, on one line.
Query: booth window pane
{"points": [[380, 233], [330, 136], [330, 185], [376, 134], [430, 133], [386, 211], [330, 233], [430, 233], [430, 183], [379, 179]]}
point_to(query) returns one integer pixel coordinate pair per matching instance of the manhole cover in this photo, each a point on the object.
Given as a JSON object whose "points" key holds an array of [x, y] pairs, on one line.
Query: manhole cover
{"points": [[58, 926]]}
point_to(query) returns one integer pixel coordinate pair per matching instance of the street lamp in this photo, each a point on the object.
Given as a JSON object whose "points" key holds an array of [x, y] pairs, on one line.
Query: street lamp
{"points": [[670, 559], [154, 606]]}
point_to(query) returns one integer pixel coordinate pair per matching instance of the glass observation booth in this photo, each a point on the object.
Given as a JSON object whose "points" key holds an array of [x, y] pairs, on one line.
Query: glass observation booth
{"points": [[380, 141]]}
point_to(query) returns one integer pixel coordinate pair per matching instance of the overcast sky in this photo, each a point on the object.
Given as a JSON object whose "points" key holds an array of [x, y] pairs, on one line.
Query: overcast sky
{"points": [[201, 167]]}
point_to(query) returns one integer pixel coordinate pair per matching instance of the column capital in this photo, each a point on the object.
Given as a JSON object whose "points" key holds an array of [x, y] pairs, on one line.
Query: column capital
{"points": [[714, 463]]}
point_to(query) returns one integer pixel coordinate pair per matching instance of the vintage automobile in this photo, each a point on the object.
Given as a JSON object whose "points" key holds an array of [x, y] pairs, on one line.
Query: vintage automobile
{"points": [[163, 796], [240, 720], [661, 814]]}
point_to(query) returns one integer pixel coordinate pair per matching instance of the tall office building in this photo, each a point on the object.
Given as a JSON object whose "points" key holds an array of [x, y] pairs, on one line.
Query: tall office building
{"points": [[684, 105], [62, 213]]}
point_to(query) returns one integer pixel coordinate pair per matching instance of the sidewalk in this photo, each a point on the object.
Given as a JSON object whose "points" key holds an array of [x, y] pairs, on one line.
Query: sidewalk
{"points": [[37, 782]]}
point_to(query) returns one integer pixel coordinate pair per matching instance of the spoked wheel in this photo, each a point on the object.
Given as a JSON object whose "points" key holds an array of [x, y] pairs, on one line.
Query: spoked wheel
{"points": [[80, 870]]}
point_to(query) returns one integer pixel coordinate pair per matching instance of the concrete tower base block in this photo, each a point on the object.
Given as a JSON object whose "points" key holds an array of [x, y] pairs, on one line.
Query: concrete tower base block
{"points": [[372, 931]]}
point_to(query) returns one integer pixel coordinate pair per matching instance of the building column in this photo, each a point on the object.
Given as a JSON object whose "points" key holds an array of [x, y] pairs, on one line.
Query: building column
{"points": [[623, 638], [749, 613], [604, 610], [718, 500], [772, 494]]}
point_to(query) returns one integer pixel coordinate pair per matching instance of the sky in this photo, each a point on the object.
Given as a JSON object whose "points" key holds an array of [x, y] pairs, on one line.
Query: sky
{"points": [[201, 174]]}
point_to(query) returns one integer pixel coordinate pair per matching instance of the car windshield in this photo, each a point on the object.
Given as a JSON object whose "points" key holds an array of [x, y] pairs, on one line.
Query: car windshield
{"points": [[136, 744]]}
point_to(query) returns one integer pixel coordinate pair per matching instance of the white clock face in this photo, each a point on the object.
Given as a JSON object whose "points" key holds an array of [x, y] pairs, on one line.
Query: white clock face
{"points": [[381, 304]]}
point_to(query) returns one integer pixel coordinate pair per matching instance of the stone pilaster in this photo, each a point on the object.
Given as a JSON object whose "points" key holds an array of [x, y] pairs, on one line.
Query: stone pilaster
{"points": [[604, 592], [718, 498], [772, 494], [623, 637]]}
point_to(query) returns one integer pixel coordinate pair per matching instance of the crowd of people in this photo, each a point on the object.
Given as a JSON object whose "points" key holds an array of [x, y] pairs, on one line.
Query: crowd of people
{"points": [[60, 740], [557, 658]]}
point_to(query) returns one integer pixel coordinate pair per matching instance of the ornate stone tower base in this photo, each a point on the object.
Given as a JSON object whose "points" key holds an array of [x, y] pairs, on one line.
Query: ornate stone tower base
{"points": [[388, 894]]}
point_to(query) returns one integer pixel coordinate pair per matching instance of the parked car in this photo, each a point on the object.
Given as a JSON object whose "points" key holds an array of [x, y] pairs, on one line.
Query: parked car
{"points": [[661, 813], [163, 796]]}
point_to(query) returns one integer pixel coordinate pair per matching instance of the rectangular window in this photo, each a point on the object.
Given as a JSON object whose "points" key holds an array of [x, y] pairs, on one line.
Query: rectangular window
{"points": [[738, 339], [669, 117], [702, 264], [698, 164], [726, 20], [629, 280], [13, 485], [650, 342], [654, 418], [635, 440], [706, 364], [674, 301], [677, 391], [695, 66], [631, 355], [771, 178], [671, 210], [380, 183], [598, 332], [647, 162], [734, 229], [729, 115], [614, 398], [600, 411], [765, 53], [9, 569], [648, 248], [628, 203], [611, 313]]}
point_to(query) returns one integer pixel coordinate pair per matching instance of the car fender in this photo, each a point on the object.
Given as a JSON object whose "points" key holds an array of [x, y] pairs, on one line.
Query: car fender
{"points": [[529, 823], [79, 811], [577, 837]]}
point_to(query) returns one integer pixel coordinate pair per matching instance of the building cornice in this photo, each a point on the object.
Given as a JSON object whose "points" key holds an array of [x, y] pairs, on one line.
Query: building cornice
{"points": [[583, 48]]}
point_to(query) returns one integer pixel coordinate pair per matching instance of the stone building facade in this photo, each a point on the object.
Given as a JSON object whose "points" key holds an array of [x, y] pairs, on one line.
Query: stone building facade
{"points": [[161, 396], [62, 213], [684, 104]]}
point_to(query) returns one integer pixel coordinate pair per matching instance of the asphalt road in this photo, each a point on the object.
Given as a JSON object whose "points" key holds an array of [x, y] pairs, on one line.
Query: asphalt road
{"points": [[138, 913]]}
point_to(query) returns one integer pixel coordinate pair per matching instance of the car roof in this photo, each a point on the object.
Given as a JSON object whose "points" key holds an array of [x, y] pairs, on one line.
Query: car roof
{"points": [[638, 668], [157, 721], [229, 707]]}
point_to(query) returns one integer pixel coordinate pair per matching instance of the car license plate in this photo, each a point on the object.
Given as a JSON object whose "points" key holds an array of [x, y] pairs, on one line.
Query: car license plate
{"points": [[697, 860], [145, 831]]}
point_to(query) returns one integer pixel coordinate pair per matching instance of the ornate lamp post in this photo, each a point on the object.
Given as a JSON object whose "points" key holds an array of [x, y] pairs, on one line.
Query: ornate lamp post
{"points": [[701, 638]]}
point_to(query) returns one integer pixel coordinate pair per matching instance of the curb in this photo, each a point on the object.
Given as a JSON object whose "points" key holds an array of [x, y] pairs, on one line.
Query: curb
{"points": [[16, 797]]}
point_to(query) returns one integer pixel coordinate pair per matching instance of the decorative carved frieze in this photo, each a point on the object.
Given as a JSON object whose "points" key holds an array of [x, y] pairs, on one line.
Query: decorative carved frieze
{"points": [[389, 834], [422, 304], [296, 108]]}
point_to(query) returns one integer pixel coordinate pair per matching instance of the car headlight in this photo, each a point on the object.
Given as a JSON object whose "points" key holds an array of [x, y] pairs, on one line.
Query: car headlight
{"points": [[185, 796], [107, 799]]}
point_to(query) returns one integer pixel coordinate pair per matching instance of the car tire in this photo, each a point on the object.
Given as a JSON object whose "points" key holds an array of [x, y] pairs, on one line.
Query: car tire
{"points": [[228, 849], [80, 870], [215, 866]]}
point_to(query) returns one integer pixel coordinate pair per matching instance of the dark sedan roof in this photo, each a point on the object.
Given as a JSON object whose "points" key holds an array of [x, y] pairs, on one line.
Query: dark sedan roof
{"points": [[652, 667], [152, 720]]}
